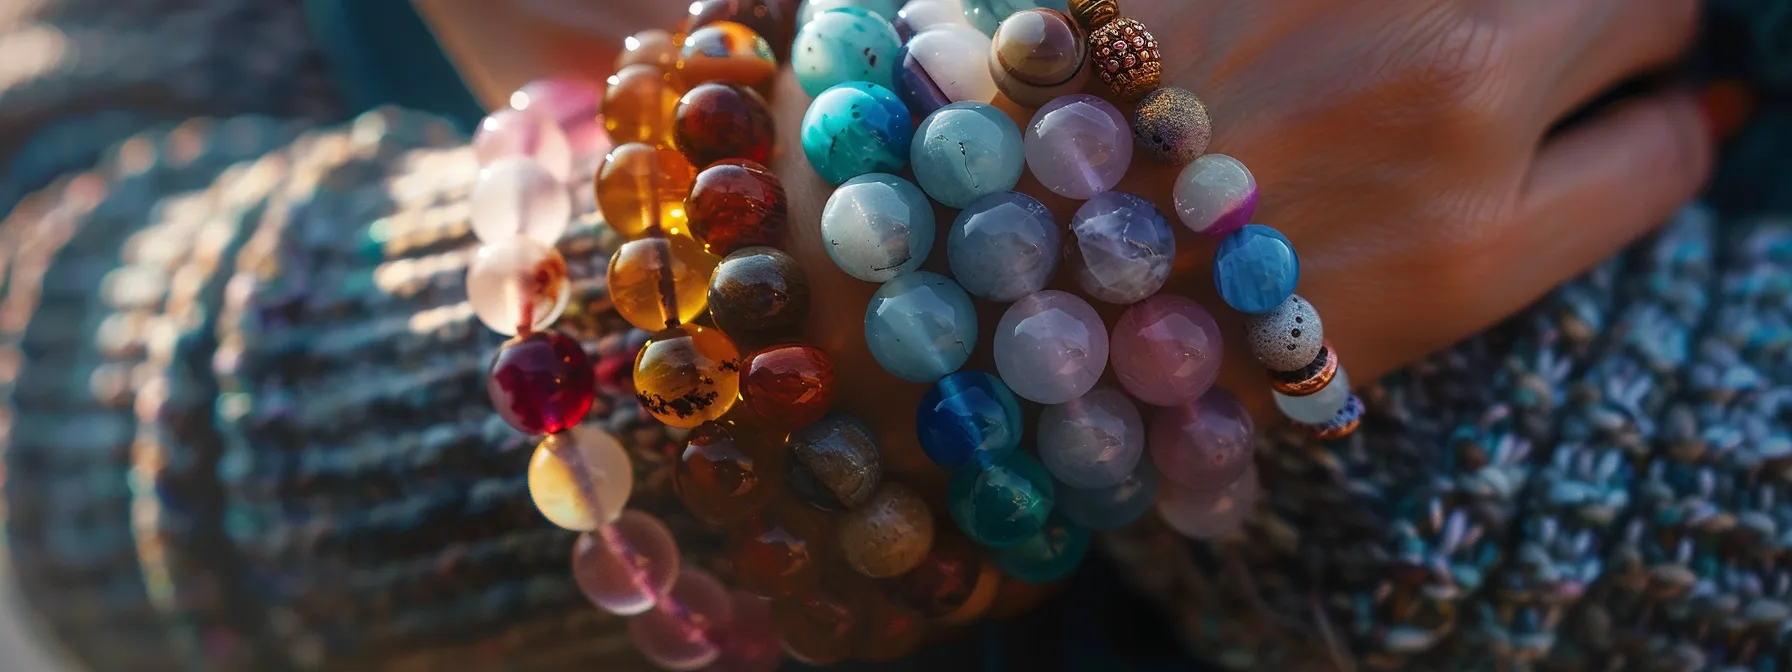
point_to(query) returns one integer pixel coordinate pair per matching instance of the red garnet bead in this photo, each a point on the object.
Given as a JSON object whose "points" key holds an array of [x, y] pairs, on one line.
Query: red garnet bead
{"points": [[736, 204], [789, 386], [718, 120], [542, 383]]}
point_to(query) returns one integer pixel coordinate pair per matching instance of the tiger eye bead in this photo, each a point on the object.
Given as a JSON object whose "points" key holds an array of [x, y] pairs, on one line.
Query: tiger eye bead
{"points": [[889, 535], [788, 386], [580, 479], [1038, 55], [727, 472], [717, 121], [1126, 58], [778, 553], [687, 375], [726, 51], [641, 190], [660, 282], [655, 47], [835, 463], [1172, 125], [639, 104], [735, 204]]}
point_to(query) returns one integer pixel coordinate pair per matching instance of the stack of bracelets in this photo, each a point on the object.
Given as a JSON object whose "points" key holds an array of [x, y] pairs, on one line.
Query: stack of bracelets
{"points": [[837, 561]]}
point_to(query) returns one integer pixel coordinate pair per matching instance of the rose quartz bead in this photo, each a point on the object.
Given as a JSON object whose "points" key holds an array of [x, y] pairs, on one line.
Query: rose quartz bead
{"points": [[1166, 350], [513, 132], [518, 283], [1204, 445], [1078, 146], [573, 105], [627, 567], [1204, 514], [516, 196], [751, 643], [1051, 347], [684, 631], [1216, 195]]}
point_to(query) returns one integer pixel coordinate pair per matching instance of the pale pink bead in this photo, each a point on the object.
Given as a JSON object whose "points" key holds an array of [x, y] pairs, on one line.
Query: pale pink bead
{"points": [[1204, 445], [573, 105], [1205, 514], [513, 132], [627, 567], [1078, 146], [684, 631], [516, 196], [1166, 350], [518, 285], [751, 644]]}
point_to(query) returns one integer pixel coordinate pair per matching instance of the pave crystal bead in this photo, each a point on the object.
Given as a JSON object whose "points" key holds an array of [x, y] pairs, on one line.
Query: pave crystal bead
{"points": [[1256, 269], [627, 567], [580, 479], [541, 383], [518, 285], [1312, 378], [969, 418]]}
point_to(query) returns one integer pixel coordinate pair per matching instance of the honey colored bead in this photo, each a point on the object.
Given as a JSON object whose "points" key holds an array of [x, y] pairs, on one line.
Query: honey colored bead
{"points": [[728, 473], [1126, 58], [687, 375], [1038, 55], [736, 204], [779, 553], [718, 121], [580, 479], [660, 282], [759, 294], [1172, 125], [518, 285], [775, 20], [626, 567], [835, 463], [945, 579], [639, 105], [889, 535], [726, 51], [641, 190], [788, 386], [655, 47]]}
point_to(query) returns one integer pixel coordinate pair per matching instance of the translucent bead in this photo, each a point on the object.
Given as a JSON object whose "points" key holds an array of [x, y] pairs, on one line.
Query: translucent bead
{"points": [[835, 464], [969, 418], [846, 615], [788, 386], [1204, 445], [759, 294], [1051, 347], [1320, 407], [945, 580], [889, 535], [1003, 246], [920, 326], [811, 9], [1048, 556], [841, 45], [580, 479], [726, 51], [778, 554], [1115, 506], [945, 65], [1004, 504], [965, 151], [728, 473], [687, 375], [1205, 514], [518, 285], [684, 631], [1255, 269], [878, 227], [1078, 146], [656, 48], [1166, 350], [1038, 55], [627, 567], [640, 103], [919, 15], [660, 282], [750, 643], [574, 106], [641, 190], [1093, 441], [510, 132], [735, 204], [1172, 124], [542, 383], [1287, 338], [718, 121], [515, 196], [856, 128], [773, 19], [987, 14], [1216, 195], [1121, 248]]}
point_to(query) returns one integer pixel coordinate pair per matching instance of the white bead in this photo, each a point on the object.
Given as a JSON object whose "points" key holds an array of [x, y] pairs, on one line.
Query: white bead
{"points": [[1320, 407], [515, 195], [514, 276], [532, 133]]}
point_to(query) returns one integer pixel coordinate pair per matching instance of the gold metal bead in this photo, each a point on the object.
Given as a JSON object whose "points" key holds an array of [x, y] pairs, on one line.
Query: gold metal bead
{"points": [[1092, 14], [1126, 58], [1309, 380]]}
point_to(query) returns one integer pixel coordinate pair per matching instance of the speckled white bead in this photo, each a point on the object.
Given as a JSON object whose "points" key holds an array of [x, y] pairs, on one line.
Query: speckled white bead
{"points": [[1288, 337]]}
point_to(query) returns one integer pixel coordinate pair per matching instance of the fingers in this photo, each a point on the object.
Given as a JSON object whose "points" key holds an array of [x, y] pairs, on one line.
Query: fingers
{"points": [[1605, 42]]}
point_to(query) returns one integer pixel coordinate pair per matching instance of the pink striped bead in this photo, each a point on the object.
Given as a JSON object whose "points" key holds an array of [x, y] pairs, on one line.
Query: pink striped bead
{"points": [[684, 631], [627, 567], [574, 106]]}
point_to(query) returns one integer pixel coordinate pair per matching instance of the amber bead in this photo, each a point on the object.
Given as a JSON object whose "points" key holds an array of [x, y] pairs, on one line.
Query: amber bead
{"points": [[639, 104], [775, 20], [718, 121], [726, 51], [654, 47], [788, 386], [687, 375], [780, 552], [845, 616], [641, 190], [660, 282], [889, 535], [542, 383], [835, 464], [1126, 58], [945, 579], [759, 293], [727, 472], [736, 204]]}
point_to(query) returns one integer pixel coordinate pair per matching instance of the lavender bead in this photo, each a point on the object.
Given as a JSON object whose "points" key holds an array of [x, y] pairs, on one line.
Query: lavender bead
{"points": [[534, 134], [1093, 441], [1204, 445], [1216, 195], [1205, 514], [1051, 347], [516, 196], [1166, 350], [1318, 408], [1121, 248], [1003, 247], [1078, 146]]}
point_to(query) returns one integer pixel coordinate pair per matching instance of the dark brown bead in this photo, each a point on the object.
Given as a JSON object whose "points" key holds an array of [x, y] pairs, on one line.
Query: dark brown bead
{"points": [[834, 464], [759, 293], [728, 473], [1092, 14], [945, 579], [780, 552], [889, 535], [735, 204], [719, 121]]}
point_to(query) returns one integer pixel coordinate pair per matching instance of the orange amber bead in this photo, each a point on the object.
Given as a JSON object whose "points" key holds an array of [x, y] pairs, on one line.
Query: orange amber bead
{"points": [[779, 553], [639, 105], [641, 190], [789, 386], [660, 282], [687, 375], [728, 473], [726, 51], [649, 47]]}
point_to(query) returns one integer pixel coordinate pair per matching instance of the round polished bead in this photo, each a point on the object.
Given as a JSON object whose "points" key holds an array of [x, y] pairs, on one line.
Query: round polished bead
{"points": [[919, 15], [1115, 506], [877, 227], [541, 383], [789, 386], [856, 128], [655, 47], [750, 643], [510, 132], [687, 636], [1320, 407], [986, 15], [1288, 337], [965, 151], [1003, 504], [660, 282], [1204, 445], [641, 190], [727, 473], [759, 293], [580, 479], [1341, 425], [626, 567], [775, 20], [639, 105], [969, 418], [575, 107], [1093, 441], [687, 375], [515, 196], [726, 51], [845, 44], [1172, 125], [920, 326], [1216, 195], [1004, 246], [1048, 556], [1038, 55], [717, 121], [846, 615], [944, 65], [778, 554], [883, 9], [1205, 514], [735, 204], [1121, 248], [835, 463], [889, 535], [945, 579], [1255, 269], [1078, 146], [1125, 56], [1166, 350], [1051, 347], [518, 285]]}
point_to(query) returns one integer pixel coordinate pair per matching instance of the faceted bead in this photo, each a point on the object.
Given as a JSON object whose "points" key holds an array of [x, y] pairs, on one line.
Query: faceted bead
{"points": [[726, 51], [1115, 506], [845, 44], [1093, 441], [1205, 514], [580, 479], [575, 108], [727, 472], [1341, 425], [986, 15], [750, 644], [758, 294], [541, 383], [1004, 504], [1204, 445], [1004, 246], [1288, 337], [687, 375], [920, 326], [775, 20], [1255, 269], [639, 105], [518, 285], [835, 464], [812, 9], [517, 197], [641, 190], [718, 121], [969, 418], [657, 48], [1051, 347], [1121, 248], [1216, 195], [944, 580], [660, 282], [1078, 146], [1126, 57], [510, 132], [1172, 125], [889, 535], [877, 227], [856, 128], [627, 566], [1166, 350], [965, 151], [919, 15], [779, 553], [945, 65], [789, 386], [687, 636], [735, 204], [1320, 407], [1038, 55], [1051, 555]]}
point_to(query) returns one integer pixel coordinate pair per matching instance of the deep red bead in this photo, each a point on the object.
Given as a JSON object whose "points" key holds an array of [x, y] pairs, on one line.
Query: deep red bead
{"points": [[945, 580], [737, 204], [789, 386], [773, 19], [718, 120], [542, 383]]}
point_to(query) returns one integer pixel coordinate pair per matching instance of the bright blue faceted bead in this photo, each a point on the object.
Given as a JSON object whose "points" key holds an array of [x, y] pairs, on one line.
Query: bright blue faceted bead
{"points": [[1052, 554], [1002, 505], [854, 129], [965, 151], [1115, 506], [920, 326], [845, 44], [1255, 269], [968, 418]]}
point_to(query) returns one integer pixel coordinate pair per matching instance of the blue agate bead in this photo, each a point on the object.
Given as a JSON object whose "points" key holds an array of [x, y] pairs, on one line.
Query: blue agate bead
{"points": [[920, 326], [968, 418], [986, 15], [1002, 505], [846, 44], [855, 129], [1115, 506], [965, 151], [1052, 554], [1255, 269], [1004, 246], [877, 227]]}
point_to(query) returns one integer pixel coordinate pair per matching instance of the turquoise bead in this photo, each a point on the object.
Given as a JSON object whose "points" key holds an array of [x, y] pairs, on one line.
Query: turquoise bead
{"points": [[965, 151], [847, 44], [969, 418], [920, 326], [813, 8], [1255, 269], [1115, 506], [1052, 554], [1003, 505], [986, 15], [854, 129], [877, 227]]}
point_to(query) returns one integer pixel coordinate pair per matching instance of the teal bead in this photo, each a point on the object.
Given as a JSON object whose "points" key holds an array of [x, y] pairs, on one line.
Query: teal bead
{"points": [[1005, 504], [813, 8], [1255, 269], [1052, 554], [986, 15], [855, 129], [920, 326], [846, 44], [965, 151]]}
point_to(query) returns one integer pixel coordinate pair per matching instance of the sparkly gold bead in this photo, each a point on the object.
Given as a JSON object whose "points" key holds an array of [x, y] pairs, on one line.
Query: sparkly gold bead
{"points": [[1092, 14], [1126, 58]]}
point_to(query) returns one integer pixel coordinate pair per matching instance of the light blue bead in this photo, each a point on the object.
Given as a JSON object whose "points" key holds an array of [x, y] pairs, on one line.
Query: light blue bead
{"points": [[877, 227], [1004, 246], [920, 326], [969, 418], [887, 9], [1255, 269], [1003, 505], [965, 151], [987, 14], [1052, 554], [846, 44], [1115, 506], [854, 129]]}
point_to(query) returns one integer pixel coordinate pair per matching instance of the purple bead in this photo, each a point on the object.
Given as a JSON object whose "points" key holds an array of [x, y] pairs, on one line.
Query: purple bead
{"points": [[1093, 441], [1166, 350], [1078, 146], [628, 566], [1216, 195], [1121, 248], [1205, 514], [686, 629], [574, 106], [944, 65], [1051, 347], [1204, 445], [512, 132]]}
